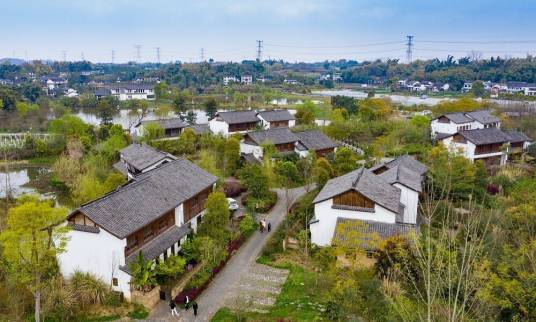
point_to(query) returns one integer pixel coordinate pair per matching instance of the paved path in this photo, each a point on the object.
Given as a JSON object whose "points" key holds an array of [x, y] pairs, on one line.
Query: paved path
{"points": [[227, 281]]}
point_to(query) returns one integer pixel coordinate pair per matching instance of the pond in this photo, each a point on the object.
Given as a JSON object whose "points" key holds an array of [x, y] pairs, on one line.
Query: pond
{"points": [[26, 179], [398, 99]]}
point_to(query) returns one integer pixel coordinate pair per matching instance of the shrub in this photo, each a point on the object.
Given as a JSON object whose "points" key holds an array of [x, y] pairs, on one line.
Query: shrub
{"points": [[139, 312], [232, 188], [88, 289], [247, 225]]}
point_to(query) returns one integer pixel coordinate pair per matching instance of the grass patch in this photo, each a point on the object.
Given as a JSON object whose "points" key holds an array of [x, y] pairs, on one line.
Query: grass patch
{"points": [[48, 160], [299, 300], [139, 312], [101, 318]]}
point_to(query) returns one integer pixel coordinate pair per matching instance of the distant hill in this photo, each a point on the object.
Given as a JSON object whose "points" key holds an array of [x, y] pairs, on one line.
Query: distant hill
{"points": [[12, 61]]}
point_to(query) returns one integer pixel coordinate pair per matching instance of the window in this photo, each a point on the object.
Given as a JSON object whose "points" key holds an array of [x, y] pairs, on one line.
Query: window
{"points": [[148, 232], [115, 281]]}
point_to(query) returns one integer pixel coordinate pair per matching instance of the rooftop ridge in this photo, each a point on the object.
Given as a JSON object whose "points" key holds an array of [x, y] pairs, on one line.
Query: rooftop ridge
{"points": [[358, 177]]}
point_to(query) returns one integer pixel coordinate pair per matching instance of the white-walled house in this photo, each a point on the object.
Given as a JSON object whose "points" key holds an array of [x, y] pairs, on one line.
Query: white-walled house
{"points": [[173, 127], [314, 141], [451, 123], [246, 79], [226, 123], [132, 91], [140, 158], [276, 118], [282, 138], [386, 202], [151, 214]]}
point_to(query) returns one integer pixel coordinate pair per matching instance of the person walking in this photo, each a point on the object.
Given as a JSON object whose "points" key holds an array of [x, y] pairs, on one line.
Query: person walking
{"points": [[186, 302], [194, 306], [173, 308], [261, 227], [269, 227]]}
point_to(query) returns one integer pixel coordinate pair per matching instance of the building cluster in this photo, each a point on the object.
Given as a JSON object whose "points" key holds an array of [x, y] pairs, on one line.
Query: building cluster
{"points": [[127, 91], [477, 135], [381, 201], [422, 86], [163, 201]]}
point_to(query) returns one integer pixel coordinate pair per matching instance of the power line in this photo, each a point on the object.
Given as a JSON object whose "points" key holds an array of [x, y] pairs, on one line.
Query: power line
{"points": [[409, 51], [259, 50], [340, 46]]}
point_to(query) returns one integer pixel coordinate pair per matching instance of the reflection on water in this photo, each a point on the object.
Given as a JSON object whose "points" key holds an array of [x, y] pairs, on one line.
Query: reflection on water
{"points": [[399, 99], [125, 120], [19, 180]]}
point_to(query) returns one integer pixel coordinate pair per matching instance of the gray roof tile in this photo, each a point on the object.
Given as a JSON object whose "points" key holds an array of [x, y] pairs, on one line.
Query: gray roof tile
{"points": [[147, 197], [142, 156], [366, 183], [485, 136], [483, 116], [516, 136], [458, 117], [174, 123], [276, 136], [405, 160], [234, 117], [401, 174], [276, 115], [315, 140], [369, 227]]}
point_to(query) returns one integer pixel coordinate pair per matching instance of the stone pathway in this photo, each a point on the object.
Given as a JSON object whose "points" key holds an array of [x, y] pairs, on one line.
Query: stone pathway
{"points": [[257, 289], [235, 277]]}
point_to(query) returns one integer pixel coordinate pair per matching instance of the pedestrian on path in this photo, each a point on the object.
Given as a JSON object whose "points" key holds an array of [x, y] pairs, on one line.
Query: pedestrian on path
{"points": [[269, 227], [194, 306], [186, 302], [261, 227], [173, 308]]}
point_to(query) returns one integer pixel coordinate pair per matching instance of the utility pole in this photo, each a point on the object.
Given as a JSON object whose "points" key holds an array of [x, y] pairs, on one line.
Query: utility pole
{"points": [[259, 50], [138, 53], [113, 56], [158, 55], [409, 50], [202, 54]]}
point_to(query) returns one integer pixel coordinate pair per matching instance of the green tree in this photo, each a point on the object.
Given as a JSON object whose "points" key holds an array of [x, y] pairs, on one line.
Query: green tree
{"points": [[143, 275], [216, 219], [186, 141], [152, 131], [211, 107], [345, 161], [478, 89], [106, 112], [231, 156], [305, 115], [31, 241]]}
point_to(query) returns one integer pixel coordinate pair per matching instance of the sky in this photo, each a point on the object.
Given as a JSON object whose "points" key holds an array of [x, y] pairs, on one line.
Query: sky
{"points": [[293, 30]]}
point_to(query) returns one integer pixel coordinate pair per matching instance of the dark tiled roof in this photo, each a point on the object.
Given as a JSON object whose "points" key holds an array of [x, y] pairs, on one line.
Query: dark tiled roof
{"points": [[84, 228], [250, 158], [174, 123], [159, 244], [366, 183], [102, 92], [401, 174], [483, 116], [200, 128], [235, 117], [315, 140], [131, 86], [516, 136], [121, 167], [484, 136], [142, 156], [458, 117], [371, 230], [441, 136], [276, 115], [147, 197], [276, 136], [404, 160]]}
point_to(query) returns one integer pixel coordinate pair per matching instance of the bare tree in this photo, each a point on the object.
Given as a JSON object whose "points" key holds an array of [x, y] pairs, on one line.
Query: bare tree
{"points": [[475, 56]]}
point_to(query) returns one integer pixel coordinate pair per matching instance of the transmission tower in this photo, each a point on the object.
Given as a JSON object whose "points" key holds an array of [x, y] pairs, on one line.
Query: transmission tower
{"points": [[138, 53], [202, 54], [409, 50], [259, 50], [64, 54], [82, 56], [113, 56], [158, 55]]}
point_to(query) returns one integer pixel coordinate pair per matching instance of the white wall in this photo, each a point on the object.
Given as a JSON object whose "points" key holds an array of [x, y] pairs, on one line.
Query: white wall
{"points": [[291, 123], [100, 254], [410, 199], [323, 230], [468, 150], [250, 148], [218, 127]]}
